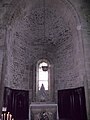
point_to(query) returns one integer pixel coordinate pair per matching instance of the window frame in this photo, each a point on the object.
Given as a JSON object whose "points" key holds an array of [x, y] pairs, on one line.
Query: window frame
{"points": [[37, 74]]}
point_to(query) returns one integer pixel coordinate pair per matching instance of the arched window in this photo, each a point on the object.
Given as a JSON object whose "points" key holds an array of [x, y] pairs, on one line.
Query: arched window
{"points": [[43, 75]]}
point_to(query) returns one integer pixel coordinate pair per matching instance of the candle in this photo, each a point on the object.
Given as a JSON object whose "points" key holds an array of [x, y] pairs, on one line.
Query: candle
{"points": [[12, 118], [2, 117], [7, 116], [8, 112]]}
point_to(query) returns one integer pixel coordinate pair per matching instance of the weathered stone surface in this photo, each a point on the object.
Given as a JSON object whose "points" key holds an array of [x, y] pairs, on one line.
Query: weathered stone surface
{"points": [[41, 32], [57, 30]]}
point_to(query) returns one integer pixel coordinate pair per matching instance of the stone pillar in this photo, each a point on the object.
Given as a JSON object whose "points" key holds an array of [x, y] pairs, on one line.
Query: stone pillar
{"points": [[2, 62]]}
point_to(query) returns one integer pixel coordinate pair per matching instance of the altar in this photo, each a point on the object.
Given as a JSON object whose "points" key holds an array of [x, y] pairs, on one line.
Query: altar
{"points": [[43, 111]]}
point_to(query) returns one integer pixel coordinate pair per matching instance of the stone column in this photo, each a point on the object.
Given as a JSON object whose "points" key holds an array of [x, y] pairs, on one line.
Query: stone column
{"points": [[2, 62]]}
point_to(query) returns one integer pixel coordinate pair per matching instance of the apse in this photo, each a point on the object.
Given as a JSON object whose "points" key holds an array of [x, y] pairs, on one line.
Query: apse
{"points": [[43, 31]]}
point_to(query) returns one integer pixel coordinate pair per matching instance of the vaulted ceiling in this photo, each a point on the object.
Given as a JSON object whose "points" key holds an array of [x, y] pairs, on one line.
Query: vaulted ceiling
{"points": [[41, 26]]}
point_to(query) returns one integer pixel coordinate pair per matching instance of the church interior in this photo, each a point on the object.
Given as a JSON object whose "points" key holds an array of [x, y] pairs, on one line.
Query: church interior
{"points": [[44, 59]]}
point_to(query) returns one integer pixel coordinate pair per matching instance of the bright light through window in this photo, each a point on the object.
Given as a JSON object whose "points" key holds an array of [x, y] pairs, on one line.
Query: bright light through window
{"points": [[43, 75]]}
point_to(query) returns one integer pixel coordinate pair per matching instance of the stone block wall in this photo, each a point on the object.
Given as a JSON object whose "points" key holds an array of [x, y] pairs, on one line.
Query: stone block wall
{"points": [[57, 30]]}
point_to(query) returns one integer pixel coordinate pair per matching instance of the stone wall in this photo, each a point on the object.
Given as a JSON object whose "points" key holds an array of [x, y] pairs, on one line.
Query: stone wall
{"points": [[57, 30], [41, 31]]}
